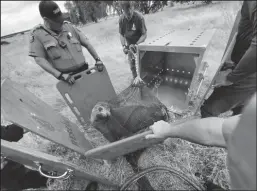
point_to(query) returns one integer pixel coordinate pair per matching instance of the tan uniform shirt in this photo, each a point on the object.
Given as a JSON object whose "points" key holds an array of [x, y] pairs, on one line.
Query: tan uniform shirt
{"points": [[62, 50]]}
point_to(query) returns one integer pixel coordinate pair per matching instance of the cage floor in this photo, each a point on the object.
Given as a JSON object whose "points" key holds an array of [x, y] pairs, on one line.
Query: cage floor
{"points": [[172, 96]]}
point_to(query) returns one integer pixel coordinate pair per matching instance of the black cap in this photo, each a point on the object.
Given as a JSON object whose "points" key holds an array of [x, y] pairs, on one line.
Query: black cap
{"points": [[51, 10], [126, 4]]}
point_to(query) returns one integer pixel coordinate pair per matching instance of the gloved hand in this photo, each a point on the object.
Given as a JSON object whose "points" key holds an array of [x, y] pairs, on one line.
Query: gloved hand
{"points": [[99, 65], [68, 78], [125, 50], [133, 48], [138, 81], [3, 162], [221, 79], [228, 65]]}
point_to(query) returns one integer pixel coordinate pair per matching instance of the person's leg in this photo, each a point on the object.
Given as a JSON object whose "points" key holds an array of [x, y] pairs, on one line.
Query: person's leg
{"points": [[227, 98], [33, 179], [92, 186]]}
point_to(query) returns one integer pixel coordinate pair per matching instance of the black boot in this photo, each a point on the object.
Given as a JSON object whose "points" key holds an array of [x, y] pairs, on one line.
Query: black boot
{"points": [[92, 186]]}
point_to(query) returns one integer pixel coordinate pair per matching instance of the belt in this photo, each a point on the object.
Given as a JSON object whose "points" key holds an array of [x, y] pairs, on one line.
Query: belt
{"points": [[78, 70]]}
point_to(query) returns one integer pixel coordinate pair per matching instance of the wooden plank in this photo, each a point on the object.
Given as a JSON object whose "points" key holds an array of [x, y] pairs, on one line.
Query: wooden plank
{"points": [[128, 145], [24, 109], [86, 92], [28, 157]]}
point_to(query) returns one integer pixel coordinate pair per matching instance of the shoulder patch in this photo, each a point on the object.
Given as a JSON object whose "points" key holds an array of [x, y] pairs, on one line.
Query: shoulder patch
{"points": [[36, 28], [31, 38]]}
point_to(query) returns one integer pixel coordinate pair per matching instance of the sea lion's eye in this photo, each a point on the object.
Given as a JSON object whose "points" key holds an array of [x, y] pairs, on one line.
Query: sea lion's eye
{"points": [[100, 109]]}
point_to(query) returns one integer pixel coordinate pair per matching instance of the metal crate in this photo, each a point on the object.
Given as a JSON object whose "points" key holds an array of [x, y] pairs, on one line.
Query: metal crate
{"points": [[171, 65]]}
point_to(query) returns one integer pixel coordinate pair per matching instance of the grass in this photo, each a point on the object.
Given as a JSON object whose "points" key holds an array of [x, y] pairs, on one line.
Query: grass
{"points": [[202, 163]]}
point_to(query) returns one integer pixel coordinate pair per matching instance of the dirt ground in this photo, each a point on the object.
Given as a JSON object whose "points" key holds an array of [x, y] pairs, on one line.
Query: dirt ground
{"points": [[200, 162]]}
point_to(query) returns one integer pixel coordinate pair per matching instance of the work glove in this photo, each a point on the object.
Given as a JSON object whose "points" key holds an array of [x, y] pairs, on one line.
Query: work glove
{"points": [[67, 78], [228, 65], [125, 50], [3, 162], [99, 65], [133, 48], [138, 82], [221, 79]]}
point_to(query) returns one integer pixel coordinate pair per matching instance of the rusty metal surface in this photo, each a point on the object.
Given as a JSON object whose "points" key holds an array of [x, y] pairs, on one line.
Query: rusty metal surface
{"points": [[28, 157], [86, 92], [21, 107]]}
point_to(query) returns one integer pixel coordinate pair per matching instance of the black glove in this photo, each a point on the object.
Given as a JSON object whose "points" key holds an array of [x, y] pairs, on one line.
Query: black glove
{"points": [[67, 78], [125, 50], [99, 65], [228, 65], [133, 48]]}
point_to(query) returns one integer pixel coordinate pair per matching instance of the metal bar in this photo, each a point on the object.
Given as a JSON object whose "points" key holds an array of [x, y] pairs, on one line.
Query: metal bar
{"points": [[176, 49]]}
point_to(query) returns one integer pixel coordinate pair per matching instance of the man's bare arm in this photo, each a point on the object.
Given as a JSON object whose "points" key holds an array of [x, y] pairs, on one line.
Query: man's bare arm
{"points": [[207, 131], [85, 42], [122, 40], [43, 63], [142, 38]]}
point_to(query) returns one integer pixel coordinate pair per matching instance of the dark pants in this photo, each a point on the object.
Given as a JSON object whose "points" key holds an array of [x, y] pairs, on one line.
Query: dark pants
{"points": [[228, 98], [15, 176]]}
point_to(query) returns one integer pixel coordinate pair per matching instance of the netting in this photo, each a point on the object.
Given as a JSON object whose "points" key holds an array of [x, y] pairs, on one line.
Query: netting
{"points": [[130, 112]]}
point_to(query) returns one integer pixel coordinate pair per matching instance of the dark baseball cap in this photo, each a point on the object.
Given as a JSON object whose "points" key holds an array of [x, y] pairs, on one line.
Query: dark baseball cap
{"points": [[51, 10], [126, 4]]}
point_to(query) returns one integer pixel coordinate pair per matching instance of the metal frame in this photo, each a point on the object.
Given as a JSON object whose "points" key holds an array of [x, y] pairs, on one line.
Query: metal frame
{"points": [[193, 41]]}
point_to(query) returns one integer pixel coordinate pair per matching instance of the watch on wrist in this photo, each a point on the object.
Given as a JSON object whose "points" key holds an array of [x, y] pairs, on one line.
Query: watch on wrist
{"points": [[97, 59], [60, 76]]}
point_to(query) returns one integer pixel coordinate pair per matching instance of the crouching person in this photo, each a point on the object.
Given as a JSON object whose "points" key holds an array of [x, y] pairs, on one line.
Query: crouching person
{"points": [[15, 176]]}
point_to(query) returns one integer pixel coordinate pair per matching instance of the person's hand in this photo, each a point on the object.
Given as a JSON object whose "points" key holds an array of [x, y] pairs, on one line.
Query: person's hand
{"points": [[68, 78], [133, 48], [221, 79], [3, 162], [99, 65], [125, 50], [161, 129], [228, 65], [138, 81]]}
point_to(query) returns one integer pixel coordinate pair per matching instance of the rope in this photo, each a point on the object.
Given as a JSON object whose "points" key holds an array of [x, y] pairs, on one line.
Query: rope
{"points": [[180, 174]]}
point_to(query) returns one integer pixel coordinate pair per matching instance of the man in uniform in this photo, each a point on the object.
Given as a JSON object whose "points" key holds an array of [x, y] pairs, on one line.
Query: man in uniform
{"points": [[237, 134], [132, 31], [234, 88], [56, 45]]}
